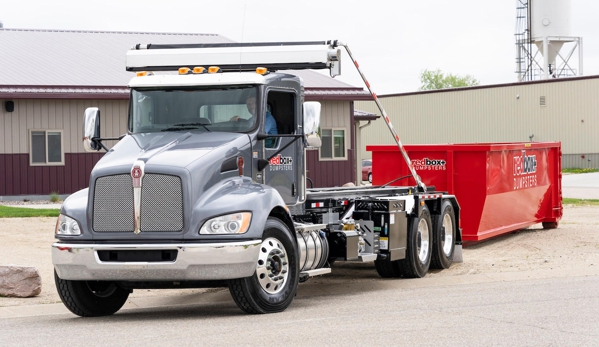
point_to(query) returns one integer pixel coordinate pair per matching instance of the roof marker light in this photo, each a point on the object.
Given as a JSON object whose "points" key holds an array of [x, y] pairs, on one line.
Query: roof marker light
{"points": [[261, 70], [199, 69], [142, 73], [213, 69], [183, 70]]}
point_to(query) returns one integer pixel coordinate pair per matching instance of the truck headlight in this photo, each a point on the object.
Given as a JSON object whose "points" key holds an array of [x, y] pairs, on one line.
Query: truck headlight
{"points": [[236, 223], [67, 226]]}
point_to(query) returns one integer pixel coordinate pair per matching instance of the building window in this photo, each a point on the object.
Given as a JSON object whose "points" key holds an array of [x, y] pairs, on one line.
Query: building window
{"points": [[46, 147], [333, 144]]}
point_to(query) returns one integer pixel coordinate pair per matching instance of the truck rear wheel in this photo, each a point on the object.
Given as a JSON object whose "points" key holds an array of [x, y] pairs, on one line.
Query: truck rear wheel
{"points": [[444, 237], [91, 298], [419, 247], [273, 285]]}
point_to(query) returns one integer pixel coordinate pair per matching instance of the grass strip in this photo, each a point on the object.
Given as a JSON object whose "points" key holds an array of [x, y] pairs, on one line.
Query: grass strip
{"points": [[19, 212], [576, 170], [580, 202]]}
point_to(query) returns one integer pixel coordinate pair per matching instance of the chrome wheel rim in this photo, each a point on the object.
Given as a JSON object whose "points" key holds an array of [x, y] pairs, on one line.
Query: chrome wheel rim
{"points": [[272, 268], [447, 238], [423, 240]]}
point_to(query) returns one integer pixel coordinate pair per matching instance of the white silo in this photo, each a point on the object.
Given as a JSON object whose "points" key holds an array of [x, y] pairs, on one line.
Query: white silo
{"points": [[547, 25]]}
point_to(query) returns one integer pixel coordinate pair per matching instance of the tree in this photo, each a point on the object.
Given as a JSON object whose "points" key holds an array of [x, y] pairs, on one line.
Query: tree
{"points": [[435, 79]]}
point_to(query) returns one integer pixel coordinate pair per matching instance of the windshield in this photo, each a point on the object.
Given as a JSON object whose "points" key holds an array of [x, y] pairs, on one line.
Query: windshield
{"points": [[223, 109]]}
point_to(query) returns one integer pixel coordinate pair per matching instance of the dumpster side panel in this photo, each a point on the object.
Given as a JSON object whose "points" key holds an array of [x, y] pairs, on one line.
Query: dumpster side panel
{"points": [[518, 188], [501, 187]]}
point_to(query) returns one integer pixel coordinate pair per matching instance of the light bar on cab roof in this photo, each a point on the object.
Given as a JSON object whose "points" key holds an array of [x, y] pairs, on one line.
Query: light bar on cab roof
{"points": [[237, 56]]}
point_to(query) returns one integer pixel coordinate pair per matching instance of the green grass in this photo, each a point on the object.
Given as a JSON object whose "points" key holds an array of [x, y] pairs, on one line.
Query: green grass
{"points": [[54, 197], [580, 202], [16, 212], [576, 170]]}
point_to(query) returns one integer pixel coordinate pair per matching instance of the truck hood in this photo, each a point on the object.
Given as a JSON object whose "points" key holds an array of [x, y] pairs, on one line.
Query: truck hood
{"points": [[173, 149]]}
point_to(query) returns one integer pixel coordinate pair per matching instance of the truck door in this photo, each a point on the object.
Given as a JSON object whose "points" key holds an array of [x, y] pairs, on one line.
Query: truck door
{"points": [[286, 168]]}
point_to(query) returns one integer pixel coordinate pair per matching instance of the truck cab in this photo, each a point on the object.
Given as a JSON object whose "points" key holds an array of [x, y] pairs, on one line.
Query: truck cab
{"points": [[211, 160]]}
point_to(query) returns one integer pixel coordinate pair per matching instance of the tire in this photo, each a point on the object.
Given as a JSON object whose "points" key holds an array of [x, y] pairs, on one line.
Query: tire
{"points": [[370, 177], [419, 247], [444, 236], [550, 225], [387, 269], [91, 298], [273, 285]]}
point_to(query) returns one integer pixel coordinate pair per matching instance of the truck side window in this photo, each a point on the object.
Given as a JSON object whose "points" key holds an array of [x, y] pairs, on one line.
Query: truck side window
{"points": [[281, 105]]}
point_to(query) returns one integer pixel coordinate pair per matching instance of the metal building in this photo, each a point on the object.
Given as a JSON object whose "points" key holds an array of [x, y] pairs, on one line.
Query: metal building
{"points": [[565, 110]]}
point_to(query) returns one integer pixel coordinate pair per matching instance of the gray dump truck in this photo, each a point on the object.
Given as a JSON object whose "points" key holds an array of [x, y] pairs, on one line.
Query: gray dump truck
{"points": [[202, 190]]}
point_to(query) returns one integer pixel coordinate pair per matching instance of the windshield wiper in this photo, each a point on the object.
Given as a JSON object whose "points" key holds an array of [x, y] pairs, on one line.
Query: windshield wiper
{"points": [[186, 126]]}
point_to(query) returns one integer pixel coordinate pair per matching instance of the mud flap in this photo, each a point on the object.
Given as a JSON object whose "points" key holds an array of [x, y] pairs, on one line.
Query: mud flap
{"points": [[457, 254]]}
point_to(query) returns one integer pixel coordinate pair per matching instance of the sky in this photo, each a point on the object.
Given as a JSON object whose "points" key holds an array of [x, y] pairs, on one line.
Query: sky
{"points": [[393, 41]]}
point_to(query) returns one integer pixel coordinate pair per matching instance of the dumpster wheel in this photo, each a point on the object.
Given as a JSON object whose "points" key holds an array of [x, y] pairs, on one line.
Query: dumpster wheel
{"points": [[550, 225]]}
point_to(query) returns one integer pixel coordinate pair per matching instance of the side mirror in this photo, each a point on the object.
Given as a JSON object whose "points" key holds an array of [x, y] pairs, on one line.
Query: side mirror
{"points": [[312, 123], [91, 129]]}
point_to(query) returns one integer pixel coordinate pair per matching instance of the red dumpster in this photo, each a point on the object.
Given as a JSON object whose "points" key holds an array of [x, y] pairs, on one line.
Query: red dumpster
{"points": [[501, 187]]}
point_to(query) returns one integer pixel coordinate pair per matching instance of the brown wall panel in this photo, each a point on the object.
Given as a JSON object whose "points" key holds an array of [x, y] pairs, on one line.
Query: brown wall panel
{"points": [[19, 178], [329, 173]]}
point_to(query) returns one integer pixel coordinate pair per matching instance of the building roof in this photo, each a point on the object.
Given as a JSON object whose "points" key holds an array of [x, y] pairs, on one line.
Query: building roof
{"points": [[91, 64], [487, 86], [364, 116]]}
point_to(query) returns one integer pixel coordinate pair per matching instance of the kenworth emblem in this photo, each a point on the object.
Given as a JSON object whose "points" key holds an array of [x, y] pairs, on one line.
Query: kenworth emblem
{"points": [[137, 174]]}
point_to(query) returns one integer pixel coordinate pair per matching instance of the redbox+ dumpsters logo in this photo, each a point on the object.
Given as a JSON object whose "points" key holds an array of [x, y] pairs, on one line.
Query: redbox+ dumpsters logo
{"points": [[280, 163], [525, 171], [429, 164]]}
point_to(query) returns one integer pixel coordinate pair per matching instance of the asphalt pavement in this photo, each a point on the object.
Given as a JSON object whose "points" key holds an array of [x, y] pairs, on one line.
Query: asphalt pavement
{"points": [[581, 186], [546, 308]]}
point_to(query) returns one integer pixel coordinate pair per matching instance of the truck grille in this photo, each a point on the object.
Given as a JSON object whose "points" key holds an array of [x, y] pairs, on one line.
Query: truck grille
{"points": [[161, 204]]}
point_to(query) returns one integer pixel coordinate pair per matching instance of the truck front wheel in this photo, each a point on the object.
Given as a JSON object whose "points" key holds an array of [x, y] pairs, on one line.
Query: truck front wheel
{"points": [[91, 298], [419, 248], [444, 237], [273, 285]]}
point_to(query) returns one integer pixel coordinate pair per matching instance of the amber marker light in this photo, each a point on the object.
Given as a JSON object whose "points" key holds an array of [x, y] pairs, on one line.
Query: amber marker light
{"points": [[183, 70], [213, 69], [245, 222], [240, 165], [261, 70], [199, 69], [142, 73]]}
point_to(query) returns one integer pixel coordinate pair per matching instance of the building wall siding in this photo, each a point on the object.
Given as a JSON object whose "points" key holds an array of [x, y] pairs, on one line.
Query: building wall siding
{"points": [[580, 160], [57, 114], [510, 113], [333, 173], [19, 178], [328, 173]]}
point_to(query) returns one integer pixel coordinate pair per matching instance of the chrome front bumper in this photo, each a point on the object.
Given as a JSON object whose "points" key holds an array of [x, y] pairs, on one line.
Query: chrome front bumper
{"points": [[208, 261]]}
